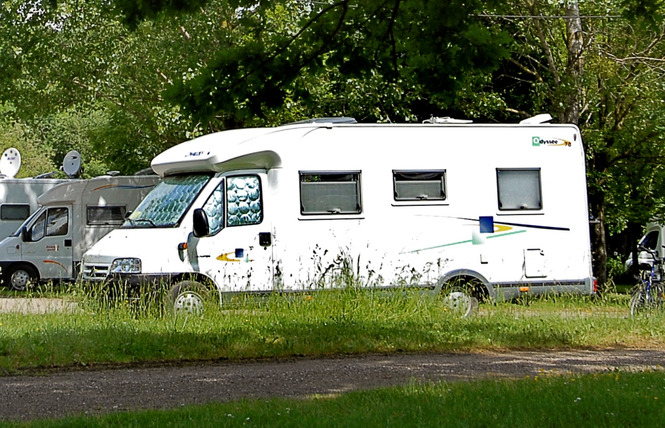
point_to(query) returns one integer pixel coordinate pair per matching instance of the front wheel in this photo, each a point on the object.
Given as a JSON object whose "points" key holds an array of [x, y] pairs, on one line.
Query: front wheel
{"points": [[19, 278], [188, 297]]}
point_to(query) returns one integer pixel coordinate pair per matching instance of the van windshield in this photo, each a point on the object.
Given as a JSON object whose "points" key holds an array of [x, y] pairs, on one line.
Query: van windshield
{"points": [[168, 202]]}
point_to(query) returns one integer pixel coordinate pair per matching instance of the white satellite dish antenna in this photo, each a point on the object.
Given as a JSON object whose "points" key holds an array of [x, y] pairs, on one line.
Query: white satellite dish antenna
{"points": [[71, 165], [10, 163]]}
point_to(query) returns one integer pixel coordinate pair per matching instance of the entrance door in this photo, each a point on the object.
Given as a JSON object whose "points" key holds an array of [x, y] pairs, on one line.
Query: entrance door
{"points": [[237, 254]]}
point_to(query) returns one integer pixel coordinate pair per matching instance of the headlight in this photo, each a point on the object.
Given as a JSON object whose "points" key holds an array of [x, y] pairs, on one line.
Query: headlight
{"points": [[126, 266]]}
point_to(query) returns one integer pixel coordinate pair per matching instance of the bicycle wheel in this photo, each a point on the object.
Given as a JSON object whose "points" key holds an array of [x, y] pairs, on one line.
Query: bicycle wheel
{"points": [[638, 299], [657, 295]]}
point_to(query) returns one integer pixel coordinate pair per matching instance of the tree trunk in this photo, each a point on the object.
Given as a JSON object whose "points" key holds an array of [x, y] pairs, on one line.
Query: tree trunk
{"points": [[599, 240], [571, 114], [575, 69]]}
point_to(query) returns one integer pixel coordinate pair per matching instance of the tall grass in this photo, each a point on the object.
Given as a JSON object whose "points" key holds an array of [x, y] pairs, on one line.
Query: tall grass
{"points": [[345, 321]]}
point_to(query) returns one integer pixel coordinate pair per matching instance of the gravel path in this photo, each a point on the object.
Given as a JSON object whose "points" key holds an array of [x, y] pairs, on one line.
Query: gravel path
{"points": [[99, 391]]}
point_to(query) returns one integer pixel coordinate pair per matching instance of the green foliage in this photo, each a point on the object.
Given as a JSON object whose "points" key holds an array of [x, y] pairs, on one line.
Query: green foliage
{"points": [[35, 157], [414, 59]]}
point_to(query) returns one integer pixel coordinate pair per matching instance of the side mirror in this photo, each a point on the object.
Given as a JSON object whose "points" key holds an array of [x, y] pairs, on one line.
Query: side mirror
{"points": [[201, 226], [26, 235]]}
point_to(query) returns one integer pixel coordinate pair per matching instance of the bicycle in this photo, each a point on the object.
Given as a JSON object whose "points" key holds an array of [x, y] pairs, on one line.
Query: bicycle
{"points": [[649, 292]]}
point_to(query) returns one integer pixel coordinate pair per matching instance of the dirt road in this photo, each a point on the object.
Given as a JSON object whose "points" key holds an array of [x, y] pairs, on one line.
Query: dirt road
{"points": [[111, 390]]}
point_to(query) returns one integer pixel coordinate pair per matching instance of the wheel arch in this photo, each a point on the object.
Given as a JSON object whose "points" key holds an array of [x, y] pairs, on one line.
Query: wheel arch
{"points": [[198, 277], [483, 290], [11, 267]]}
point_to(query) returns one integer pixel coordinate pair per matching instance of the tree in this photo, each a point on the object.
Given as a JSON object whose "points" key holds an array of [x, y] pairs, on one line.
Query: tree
{"points": [[407, 60], [597, 65]]}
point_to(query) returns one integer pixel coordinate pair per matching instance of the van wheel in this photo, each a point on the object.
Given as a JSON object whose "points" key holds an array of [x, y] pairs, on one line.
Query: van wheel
{"points": [[460, 303], [458, 297], [187, 297], [20, 277]]}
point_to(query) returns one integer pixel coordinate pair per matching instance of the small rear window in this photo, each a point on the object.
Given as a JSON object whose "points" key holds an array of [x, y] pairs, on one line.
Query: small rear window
{"points": [[105, 215]]}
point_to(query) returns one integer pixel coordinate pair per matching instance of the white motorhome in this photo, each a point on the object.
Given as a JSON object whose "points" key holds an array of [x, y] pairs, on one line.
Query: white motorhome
{"points": [[18, 199], [500, 207], [18, 196], [73, 216]]}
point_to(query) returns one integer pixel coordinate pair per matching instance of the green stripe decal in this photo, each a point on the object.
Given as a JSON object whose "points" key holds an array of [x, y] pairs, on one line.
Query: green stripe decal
{"points": [[467, 241]]}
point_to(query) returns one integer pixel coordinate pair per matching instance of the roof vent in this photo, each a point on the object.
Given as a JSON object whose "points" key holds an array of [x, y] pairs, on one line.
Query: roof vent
{"points": [[540, 118], [446, 120]]}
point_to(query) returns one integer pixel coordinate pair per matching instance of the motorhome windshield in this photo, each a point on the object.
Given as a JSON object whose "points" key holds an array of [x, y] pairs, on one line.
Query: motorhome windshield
{"points": [[165, 205]]}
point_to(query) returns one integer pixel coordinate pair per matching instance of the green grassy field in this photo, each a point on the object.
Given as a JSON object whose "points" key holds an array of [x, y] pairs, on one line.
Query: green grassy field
{"points": [[600, 400], [354, 321], [340, 322]]}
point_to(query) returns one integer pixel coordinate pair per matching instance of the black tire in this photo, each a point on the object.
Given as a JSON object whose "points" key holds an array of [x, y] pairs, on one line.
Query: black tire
{"points": [[188, 298], [20, 277], [637, 301]]}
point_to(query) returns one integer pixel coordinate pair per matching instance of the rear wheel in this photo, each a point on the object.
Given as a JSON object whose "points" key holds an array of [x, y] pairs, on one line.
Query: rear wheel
{"points": [[20, 278], [641, 302], [188, 297]]}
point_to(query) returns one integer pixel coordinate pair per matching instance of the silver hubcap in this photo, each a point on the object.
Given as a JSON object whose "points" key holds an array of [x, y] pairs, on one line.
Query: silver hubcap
{"points": [[459, 302], [20, 280], [188, 302]]}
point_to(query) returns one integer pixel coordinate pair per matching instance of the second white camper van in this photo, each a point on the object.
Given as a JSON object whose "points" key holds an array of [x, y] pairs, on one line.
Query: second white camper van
{"points": [[501, 208], [18, 199], [73, 216]]}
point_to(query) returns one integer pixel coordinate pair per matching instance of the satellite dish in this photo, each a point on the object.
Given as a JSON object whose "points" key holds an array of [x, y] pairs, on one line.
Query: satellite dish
{"points": [[10, 162], [71, 165]]}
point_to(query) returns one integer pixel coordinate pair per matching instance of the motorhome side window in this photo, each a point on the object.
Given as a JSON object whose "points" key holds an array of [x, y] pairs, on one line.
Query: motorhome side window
{"points": [[14, 211], [101, 216], [243, 203], [330, 192], [519, 189], [243, 199], [419, 185], [52, 222]]}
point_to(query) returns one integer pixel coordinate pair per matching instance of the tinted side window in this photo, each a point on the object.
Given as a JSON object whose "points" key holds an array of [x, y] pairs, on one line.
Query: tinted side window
{"points": [[419, 185], [14, 211], [105, 215], [214, 209], [52, 222], [57, 222], [519, 189], [650, 241], [330, 193]]}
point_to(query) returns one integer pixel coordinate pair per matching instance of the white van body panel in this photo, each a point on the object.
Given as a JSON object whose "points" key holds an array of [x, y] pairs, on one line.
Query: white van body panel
{"points": [[18, 200], [541, 244], [653, 240], [73, 216]]}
